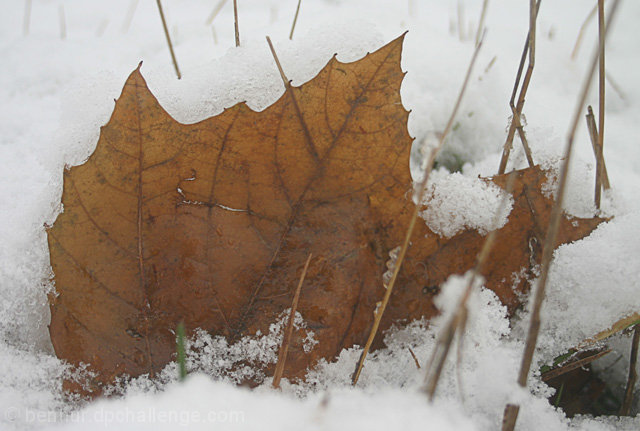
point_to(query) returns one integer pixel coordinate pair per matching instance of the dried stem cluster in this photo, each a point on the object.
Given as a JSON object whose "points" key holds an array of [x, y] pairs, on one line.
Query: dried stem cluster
{"points": [[511, 410]]}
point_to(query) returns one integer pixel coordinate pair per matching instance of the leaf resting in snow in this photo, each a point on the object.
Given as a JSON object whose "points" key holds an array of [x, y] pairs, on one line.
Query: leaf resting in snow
{"points": [[211, 223]]}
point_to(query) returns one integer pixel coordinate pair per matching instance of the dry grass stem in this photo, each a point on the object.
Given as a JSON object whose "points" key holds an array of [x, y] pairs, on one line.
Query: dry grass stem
{"points": [[490, 65], [415, 358], [619, 326], [583, 27], [129, 17], [602, 177], [295, 20], [216, 10], [601, 82], [63, 22], [551, 374], [285, 80], [235, 21], [483, 13], [459, 352], [286, 340], [166, 34], [516, 108], [595, 144], [421, 192], [458, 320], [214, 34], [27, 17], [511, 411], [625, 410]]}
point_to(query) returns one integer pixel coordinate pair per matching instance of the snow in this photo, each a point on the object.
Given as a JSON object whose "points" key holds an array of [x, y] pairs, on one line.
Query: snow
{"points": [[56, 93], [456, 202]]}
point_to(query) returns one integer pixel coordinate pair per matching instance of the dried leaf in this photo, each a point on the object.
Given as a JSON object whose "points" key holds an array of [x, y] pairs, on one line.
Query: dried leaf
{"points": [[211, 224], [517, 247]]}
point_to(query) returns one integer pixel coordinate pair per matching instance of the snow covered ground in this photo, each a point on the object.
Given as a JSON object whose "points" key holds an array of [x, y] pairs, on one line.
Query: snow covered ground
{"points": [[57, 85]]}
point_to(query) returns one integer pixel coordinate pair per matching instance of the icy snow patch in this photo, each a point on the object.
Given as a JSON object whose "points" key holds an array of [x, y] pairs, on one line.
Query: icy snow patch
{"points": [[235, 363], [456, 202]]}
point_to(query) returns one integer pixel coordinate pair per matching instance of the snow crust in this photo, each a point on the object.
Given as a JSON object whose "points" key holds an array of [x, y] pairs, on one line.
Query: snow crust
{"points": [[56, 93]]}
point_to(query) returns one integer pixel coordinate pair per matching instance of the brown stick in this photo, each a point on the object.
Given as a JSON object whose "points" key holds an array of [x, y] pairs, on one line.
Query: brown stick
{"points": [[422, 187], [295, 20], [214, 13], [516, 109], [166, 34], [27, 17], [593, 136], [235, 20], [583, 27], [483, 13], [601, 83], [286, 340], [415, 358], [511, 410], [556, 372], [633, 376], [602, 178], [604, 175], [456, 323], [619, 326]]}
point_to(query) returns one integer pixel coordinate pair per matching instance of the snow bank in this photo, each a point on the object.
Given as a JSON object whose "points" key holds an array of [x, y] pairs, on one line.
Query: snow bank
{"points": [[56, 93]]}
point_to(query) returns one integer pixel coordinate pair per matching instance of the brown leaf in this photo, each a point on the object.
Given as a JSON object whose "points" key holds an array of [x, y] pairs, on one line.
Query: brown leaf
{"points": [[211, 223], [517, 249]]}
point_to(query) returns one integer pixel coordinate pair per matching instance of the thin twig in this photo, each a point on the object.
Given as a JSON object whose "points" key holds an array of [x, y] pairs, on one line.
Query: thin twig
{"points": [[235, 21], [619, 326], [27, 17], [422, 188], [286, 340], [633, 376], [63, 22], [483, 13], [511, 410], [516, 109], [130, 12], [556, 372], [415, 358], [583, 27], [214, 13], [601, 82], [445, 339], [595, 144], [459, 353], [289, 89], [214, 34], [490, 65], [166, 33], [602, 178], [604, 175], [295, 20]]}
